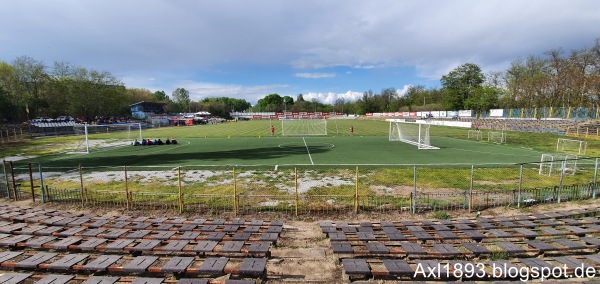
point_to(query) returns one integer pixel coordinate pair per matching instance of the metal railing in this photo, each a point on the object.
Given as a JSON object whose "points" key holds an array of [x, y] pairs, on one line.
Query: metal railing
{"points": [[305, 191]]}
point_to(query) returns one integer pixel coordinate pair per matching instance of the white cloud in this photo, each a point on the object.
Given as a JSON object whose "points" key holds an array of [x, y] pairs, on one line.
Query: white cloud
{"points": [[315, 75], [179, 38], [202, 90], [402, 92], [330, 98]]}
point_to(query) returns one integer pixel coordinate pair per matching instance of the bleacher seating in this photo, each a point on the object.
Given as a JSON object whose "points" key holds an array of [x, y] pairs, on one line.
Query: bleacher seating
{"points": [[399, 250], [36, 243]]}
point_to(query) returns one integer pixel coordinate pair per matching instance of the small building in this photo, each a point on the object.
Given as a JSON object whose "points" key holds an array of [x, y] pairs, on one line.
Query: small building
{"points": [[143, 109]]}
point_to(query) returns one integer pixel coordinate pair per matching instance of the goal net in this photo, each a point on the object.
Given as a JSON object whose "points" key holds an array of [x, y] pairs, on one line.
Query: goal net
{"points": [[571, 146], [303, 126], [412, 133], [496, 137], [556, 163], [474, 134], [96, 137]]}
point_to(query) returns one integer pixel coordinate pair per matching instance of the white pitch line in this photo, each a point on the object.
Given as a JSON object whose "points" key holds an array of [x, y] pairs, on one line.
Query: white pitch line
{"points": [[309, 156]]}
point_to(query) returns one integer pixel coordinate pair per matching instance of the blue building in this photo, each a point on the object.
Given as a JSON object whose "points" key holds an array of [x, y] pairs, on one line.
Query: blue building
{"points": [[143, 109]]}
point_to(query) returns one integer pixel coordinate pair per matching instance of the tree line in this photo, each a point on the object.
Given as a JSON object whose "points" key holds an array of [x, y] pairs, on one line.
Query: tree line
{"points": [[557, 78]]}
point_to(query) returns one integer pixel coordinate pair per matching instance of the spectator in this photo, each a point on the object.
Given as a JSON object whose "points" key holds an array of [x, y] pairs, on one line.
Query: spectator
{"points": [[168, 141], [144, 142], [173, 141], [159, 142]]}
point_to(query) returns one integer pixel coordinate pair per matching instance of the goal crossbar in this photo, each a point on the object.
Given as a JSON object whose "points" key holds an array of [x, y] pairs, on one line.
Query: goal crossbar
{"points": [[114, 135], [411, 133], [573, 146], [303, 126]]}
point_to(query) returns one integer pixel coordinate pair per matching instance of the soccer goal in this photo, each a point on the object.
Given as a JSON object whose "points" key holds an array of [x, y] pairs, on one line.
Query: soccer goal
{"points": [[412, 133], [496, 137], [571, 146], [556, 163], [95, 137], [474, 134], [303, 126]]}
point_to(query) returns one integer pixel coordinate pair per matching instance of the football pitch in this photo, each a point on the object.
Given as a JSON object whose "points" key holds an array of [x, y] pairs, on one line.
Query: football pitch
{"points": [[250, 143]]}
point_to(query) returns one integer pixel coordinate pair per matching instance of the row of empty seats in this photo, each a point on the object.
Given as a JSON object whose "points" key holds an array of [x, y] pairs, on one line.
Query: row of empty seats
{"points": [[403, 249], [16, 278], [79, 246]]}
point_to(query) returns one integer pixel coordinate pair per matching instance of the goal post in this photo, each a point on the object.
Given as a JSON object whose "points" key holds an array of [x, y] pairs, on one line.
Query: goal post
{"points": [[94, 137], [496, 137], [557, 163], [411, 133], [571, 146], [303, 126]]}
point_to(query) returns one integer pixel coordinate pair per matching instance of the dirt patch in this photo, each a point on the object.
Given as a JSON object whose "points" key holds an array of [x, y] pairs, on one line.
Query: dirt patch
{"points": [[303, 254]]}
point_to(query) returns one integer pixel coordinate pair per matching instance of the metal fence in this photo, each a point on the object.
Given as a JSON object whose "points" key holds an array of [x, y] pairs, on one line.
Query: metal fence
{"points": [[303, 191]]}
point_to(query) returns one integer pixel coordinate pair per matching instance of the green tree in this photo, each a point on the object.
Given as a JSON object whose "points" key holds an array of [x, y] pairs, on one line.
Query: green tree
{"points": [[288, 102], [460, 84], [483, 98], [160, 96], [181, 99], [272, 102]]}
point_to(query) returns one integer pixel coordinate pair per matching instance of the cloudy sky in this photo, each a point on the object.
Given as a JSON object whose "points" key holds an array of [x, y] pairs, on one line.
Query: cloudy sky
{"points": [[324, 49]]}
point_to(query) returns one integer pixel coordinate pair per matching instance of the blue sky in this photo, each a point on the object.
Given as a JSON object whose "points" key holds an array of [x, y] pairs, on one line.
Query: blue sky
{"points": [[323, 49]]}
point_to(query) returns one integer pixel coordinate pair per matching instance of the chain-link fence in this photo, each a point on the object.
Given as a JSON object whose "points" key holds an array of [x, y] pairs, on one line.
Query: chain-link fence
{"points": [[304, 191]]}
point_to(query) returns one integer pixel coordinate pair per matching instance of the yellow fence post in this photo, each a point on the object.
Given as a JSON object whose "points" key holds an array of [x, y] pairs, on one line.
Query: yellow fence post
{"points": [[179, 187], [296, 190], [81, 185], [569, 113], [356, 193], [126, 191], [235, 205], [550, 114]]}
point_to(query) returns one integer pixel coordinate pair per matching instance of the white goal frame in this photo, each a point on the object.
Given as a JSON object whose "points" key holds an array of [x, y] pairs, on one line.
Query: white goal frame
{"points": [[89, 129], [474, 134], [493, 137], [303, 126], [558, 162], [580, 146], [411, 133]]}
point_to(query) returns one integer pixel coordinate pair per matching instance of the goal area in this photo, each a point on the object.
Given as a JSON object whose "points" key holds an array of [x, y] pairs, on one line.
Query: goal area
{"points": [[496, 137], [411, 133], [474, 134], [303, 127], [571, 146], [557, 163], [96, 137]]}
